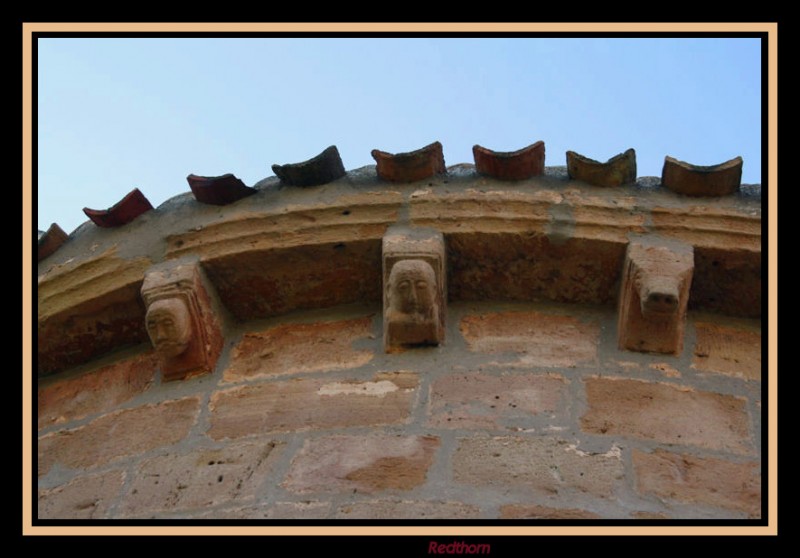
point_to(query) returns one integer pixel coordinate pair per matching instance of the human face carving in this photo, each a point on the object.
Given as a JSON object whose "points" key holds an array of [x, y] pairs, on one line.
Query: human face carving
{"points": [[169, 326], [412, 287]]}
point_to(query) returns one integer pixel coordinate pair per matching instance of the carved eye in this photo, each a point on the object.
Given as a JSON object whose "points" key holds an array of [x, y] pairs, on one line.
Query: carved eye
{"points": [[403, 285], [422, 284], [167, 322]]}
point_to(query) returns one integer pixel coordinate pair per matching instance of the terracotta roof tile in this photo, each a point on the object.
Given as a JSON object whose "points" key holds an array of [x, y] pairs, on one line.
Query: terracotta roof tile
{"points": [[693, 180], [510, 165], [325, 167], [51, 241], [411, 166], [618, 170], [218, 190], [122, 212]]}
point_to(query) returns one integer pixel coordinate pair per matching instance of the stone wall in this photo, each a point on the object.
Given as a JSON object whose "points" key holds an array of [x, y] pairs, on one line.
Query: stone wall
{"points": [[526, 411]]}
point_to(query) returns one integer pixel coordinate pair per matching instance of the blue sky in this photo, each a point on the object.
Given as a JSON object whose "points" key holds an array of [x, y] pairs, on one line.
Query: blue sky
{"points": [[117, 113]]}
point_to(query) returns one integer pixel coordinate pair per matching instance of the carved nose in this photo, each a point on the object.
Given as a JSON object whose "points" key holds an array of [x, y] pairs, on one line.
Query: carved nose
{"points": [[161, 333], [659, 302]]}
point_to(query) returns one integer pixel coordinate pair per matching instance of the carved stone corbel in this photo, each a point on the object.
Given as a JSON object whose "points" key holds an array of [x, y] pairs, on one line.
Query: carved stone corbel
{"points": [[655, 293], [414, 288], [180, 320]]}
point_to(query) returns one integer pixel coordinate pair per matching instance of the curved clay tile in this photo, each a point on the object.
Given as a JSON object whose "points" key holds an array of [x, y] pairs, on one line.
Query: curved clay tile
{"points": [[510, 165], [218, 190], [325, 167], [51, 241], [694, 180], [411, 166], [122, 212], [618, 170]]}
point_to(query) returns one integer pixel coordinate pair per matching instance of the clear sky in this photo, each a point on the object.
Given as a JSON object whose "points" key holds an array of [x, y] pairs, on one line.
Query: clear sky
{"points": [[117, 113]]}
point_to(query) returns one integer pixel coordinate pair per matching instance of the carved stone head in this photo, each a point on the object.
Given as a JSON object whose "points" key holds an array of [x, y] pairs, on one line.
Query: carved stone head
{"points": [[169, 326], [180, 319], [412, 289]]}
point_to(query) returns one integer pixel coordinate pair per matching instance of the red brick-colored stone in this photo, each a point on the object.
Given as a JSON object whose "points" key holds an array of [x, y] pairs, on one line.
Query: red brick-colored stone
{"points": [[361, 463], [728, 350], [666, 413], [87, 497], [543, 339], [545, 465], [96, 391], [294, 348], [304, 404], [401, 509], [493, 401], [202, 478], [529, 267], [695, 480], [118, 435], [521, 511]]}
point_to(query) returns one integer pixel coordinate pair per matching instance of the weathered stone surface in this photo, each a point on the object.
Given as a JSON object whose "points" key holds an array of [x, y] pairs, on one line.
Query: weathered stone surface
{"points": [[510, 165], [218, 190], [666, 369], [263, 284], [477, 210], [295, 348], [694, 180], [543, 339], [118, 435], [522, 511], [493, 401], [95, 391], [51, 241], [121, 213], [654, 296], [304, 404], [88, 308], [727, 282], [530, 267], [361, 464], [401, 509], [694, 480], [325, 167], [618, 170], [87, 497], [727, 350], [412, 166], [201, 478], [545, 465], [667, 413], [180, 320], [729, 227], [414, 282]]}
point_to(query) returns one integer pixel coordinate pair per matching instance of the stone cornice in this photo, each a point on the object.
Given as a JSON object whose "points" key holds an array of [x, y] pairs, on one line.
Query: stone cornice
{"points": [[288, 248]]}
